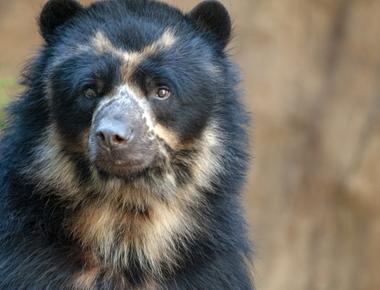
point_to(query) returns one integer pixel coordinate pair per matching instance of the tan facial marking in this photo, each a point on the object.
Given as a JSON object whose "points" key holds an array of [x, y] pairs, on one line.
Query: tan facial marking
{"points": [[168, 223], [208, 161], [212, 69], [102, 44], [86, 278], [51, 166], [95, 224], [155, 129], [132, 59], [165, 134]]}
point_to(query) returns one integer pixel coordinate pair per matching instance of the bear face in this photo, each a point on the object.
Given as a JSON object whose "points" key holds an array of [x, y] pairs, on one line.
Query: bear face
{"points": [[126, 86]]}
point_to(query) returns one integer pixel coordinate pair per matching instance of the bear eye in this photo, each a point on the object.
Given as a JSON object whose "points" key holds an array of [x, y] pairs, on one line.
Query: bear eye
{"points": [[90, 93], [163, 93]]}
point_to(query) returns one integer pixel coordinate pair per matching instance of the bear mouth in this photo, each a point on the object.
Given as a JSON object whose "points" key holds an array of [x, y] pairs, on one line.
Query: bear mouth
{"points": [[125, 162], [126, 169]]}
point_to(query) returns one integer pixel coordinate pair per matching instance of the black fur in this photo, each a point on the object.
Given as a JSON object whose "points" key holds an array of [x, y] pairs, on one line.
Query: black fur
{"points": [[55, 14], [37, 251], [214, 19]]}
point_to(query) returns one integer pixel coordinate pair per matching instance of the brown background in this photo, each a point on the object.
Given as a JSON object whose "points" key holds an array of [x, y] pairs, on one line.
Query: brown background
{"points": [[312, 79]]}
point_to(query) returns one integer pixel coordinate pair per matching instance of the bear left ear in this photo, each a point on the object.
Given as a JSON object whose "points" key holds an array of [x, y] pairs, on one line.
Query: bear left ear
{"points": [[214, 18], [54, 14]]}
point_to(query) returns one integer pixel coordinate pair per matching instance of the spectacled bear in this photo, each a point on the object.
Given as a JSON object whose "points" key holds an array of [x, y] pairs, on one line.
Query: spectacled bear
{"points": [[123, 159]]}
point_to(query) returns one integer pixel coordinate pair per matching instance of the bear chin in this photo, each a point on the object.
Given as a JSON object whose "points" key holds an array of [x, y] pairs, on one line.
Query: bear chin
{"points": [[124, 172]]}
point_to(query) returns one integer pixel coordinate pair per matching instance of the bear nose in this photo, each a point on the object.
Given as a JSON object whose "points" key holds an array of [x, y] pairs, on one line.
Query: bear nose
{"points": [[114, 135]]}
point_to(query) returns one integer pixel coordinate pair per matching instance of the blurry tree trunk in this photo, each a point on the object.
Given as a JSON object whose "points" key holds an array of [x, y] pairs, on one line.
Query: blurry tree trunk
{"points": [[316, 178]]}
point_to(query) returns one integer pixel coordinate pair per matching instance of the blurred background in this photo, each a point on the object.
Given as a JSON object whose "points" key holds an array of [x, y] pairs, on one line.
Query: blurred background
{"points": [[311, 72]]}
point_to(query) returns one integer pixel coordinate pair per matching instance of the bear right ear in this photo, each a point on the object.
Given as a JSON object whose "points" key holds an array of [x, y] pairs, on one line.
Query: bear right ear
{"points": [[54, 14], [214, 18]]}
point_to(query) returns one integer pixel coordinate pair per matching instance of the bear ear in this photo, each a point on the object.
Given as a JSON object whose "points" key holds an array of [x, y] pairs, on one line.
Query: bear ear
{"points": [[54, 14], [214, 18]]}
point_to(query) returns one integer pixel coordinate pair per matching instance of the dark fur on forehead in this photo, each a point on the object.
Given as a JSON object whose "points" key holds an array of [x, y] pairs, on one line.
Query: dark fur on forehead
{"points": [[123, 22]]}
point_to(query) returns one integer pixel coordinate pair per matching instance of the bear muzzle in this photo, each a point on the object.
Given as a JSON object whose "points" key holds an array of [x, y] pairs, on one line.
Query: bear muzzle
{"points": [[119, 141]]}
